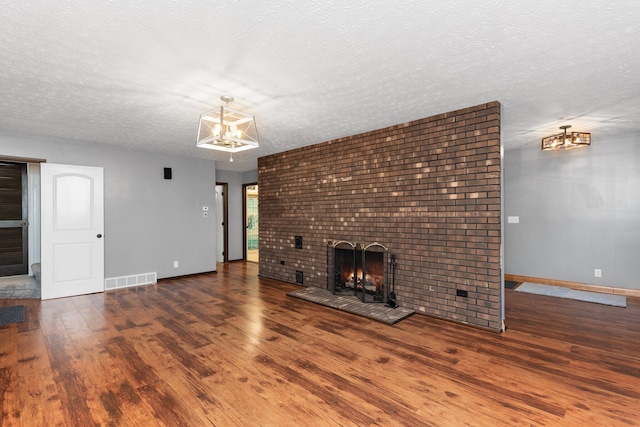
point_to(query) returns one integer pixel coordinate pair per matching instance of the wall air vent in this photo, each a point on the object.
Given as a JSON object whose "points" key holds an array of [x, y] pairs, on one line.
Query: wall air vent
{"points": [[129, 281]]}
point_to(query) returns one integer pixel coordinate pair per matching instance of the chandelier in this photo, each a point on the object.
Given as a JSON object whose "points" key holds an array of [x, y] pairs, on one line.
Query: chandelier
{"points": [[566, 141], [224, 129]]}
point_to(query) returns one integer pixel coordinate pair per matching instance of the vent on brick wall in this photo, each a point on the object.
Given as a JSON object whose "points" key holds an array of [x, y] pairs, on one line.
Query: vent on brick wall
{"points": [[128, 281]]}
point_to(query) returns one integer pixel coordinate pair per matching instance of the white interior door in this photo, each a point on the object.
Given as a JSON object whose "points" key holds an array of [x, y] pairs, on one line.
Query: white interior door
{"points": [[72, 221]]}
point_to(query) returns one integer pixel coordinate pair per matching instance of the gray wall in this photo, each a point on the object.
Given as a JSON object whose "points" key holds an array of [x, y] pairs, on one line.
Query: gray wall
{"points": [[150, 222], [250, 177], [579, 210], [234, 200]]}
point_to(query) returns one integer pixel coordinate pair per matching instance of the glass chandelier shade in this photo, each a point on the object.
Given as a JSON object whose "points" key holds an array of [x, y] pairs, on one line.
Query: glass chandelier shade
{"points": [[228, 130]]}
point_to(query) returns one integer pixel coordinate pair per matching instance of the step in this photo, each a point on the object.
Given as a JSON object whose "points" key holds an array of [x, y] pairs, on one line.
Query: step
{"points": [[19, 287]]}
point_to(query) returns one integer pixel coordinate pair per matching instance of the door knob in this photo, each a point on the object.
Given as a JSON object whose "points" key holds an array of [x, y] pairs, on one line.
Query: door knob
{"points": [[99, 236]]}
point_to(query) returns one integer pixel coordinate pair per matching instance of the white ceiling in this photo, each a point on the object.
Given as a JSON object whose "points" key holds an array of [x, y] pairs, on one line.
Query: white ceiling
{"points": [[137, 74]]}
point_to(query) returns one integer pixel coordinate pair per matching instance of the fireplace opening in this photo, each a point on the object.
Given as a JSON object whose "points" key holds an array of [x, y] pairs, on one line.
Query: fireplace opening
{"points": [[346, 264], [357, 270]]}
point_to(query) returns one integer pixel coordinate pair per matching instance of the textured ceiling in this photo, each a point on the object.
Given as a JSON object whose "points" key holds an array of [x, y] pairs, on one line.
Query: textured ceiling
{"points": [[137, 74]]}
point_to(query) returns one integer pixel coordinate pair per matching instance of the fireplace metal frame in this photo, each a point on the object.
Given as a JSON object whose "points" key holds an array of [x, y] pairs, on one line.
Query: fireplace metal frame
{"points": [[367, 285], [371, 290], [334, 273]]}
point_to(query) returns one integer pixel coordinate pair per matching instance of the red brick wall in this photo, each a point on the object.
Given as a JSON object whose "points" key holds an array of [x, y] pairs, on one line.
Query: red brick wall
{"points": [[429, 190]]}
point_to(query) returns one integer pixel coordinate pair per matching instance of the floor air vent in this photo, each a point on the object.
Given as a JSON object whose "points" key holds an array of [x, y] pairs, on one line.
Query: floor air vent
{"points": [[128, 281]]}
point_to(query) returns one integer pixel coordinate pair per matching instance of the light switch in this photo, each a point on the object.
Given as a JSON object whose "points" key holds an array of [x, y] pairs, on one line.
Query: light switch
{"points": [[513, 219], [205, 214], [205, 208]]}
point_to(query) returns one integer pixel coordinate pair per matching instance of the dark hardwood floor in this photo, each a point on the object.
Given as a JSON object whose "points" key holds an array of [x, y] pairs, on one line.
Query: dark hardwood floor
{"points": [[231, 349]]}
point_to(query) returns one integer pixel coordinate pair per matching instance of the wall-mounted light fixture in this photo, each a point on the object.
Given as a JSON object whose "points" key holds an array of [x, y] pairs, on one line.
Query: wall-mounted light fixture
{"points": [[566, 141], [227, 130]]}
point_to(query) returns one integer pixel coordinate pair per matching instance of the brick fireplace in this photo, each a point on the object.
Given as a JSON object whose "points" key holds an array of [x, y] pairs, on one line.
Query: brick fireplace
{"points": [[429, 189]]}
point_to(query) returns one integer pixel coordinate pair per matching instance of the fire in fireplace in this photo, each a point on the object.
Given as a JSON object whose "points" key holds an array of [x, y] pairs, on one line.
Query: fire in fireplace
{"points": [[358, 270]]}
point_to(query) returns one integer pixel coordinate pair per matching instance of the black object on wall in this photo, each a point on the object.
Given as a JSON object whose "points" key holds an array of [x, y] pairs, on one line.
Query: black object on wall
{"points": [[167, 173]]}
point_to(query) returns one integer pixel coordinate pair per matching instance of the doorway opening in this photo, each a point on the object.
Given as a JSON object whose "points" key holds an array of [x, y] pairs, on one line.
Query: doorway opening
{"points": [[14, 234], [251, 229], [19, 227], [222, 213], [14, 219]]}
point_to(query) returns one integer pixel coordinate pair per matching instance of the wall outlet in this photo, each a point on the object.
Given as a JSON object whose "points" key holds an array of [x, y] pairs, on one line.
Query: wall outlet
{"points": [[513, 219], [176, 264], [598, 272]]}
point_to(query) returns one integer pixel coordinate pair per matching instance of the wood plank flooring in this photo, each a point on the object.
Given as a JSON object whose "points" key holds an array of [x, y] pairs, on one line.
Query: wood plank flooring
{"points": [[231, 349]]}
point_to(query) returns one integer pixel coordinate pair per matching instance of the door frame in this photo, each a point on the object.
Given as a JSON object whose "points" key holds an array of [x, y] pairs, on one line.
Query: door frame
{"points": [[225, 219], [244, 217]]}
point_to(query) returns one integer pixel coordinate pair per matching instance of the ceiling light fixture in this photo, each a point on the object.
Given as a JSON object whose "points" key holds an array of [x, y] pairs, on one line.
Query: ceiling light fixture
{"points": [[227, 130], [564, 141]]}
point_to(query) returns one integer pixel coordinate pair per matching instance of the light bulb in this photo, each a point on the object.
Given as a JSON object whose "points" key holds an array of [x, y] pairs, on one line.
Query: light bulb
{"points": [[216, 130], [231, 158]]}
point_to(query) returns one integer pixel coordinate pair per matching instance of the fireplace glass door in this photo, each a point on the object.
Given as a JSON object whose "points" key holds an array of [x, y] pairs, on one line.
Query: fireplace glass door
{"points": [[346, 263], [359, 271], [374, 261]]}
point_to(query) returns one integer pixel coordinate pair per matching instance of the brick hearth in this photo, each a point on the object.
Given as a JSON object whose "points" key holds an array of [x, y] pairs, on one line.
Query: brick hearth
{"points": [[429, 190]]}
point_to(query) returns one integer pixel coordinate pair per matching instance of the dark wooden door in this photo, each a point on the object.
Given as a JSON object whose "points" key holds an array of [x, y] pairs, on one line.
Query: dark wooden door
{"points": [[14, 255]]}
